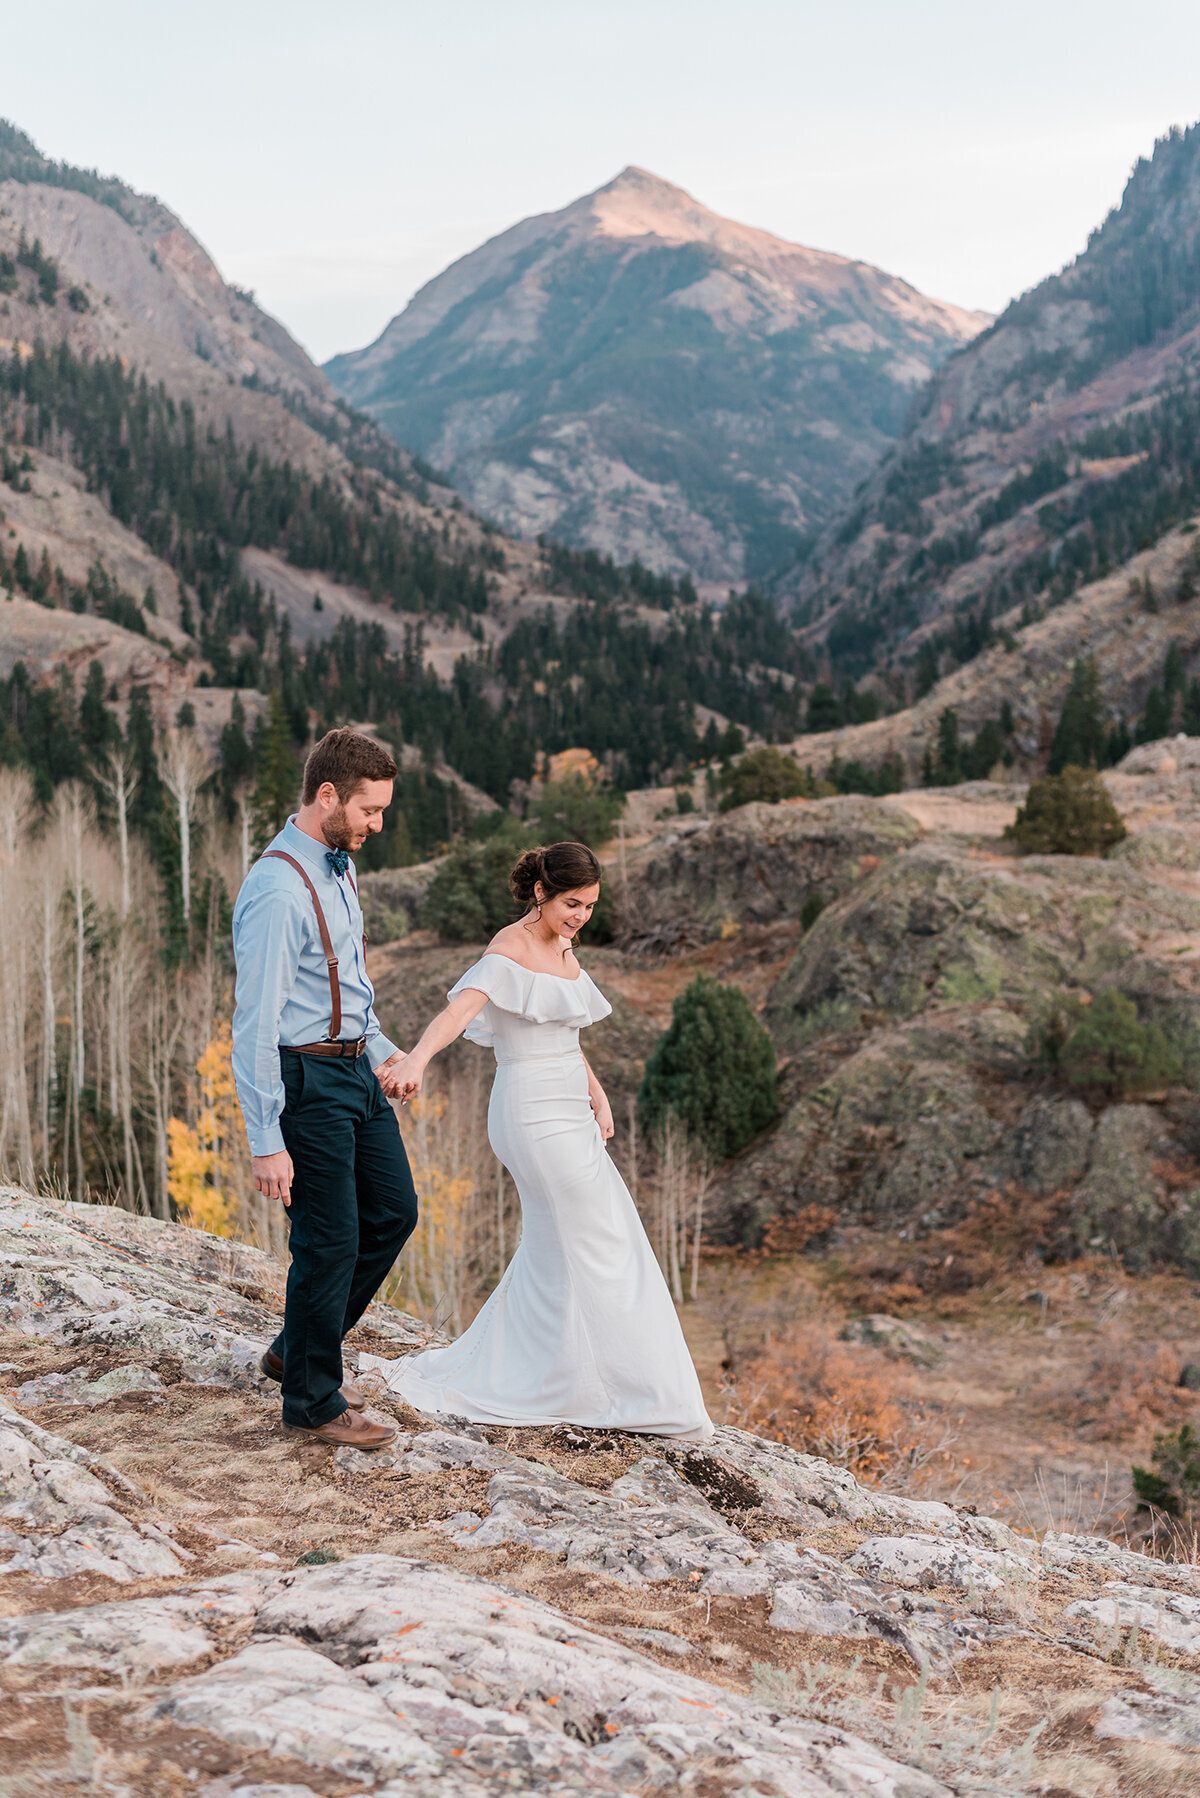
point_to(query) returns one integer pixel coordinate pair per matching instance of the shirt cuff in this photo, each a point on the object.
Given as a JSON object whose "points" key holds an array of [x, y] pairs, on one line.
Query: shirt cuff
{"points": [[380, 1050], [268, 1141]]}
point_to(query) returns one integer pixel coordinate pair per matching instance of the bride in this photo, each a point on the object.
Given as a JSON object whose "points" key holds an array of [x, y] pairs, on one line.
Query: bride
{"points": [[581, 1329]]}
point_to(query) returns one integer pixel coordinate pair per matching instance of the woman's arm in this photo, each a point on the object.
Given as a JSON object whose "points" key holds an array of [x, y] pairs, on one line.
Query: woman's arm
{"points": [[599, 1103], [437, 1034]]}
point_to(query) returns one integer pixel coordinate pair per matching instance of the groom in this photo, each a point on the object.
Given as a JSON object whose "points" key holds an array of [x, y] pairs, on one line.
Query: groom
{"points": [[314, 1073]]}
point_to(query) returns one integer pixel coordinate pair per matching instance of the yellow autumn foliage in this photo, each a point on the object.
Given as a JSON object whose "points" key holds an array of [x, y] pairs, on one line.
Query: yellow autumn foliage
{"points": [[432, 1271], [203, 1157]]}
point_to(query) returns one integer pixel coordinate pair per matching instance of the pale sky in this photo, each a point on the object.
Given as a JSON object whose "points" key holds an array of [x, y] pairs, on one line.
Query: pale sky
{"points": [[336, 156]]}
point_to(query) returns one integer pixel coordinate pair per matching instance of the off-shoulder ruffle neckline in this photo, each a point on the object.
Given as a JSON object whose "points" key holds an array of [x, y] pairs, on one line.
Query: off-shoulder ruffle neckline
{"points": [[495, 955]]}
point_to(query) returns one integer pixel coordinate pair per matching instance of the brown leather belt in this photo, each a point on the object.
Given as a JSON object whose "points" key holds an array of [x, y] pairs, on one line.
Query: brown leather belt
{"points": [[343, 1051]]}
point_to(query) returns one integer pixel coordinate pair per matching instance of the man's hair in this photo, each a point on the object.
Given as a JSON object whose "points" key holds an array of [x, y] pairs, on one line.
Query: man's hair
{"points": [[347, 758]]}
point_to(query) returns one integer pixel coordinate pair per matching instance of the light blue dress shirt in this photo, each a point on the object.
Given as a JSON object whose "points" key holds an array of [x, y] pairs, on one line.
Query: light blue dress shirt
{"points": [[282, 992]]}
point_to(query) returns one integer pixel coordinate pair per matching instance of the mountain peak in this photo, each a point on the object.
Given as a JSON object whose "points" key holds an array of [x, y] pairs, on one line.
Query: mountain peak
{"points": [[639, 203]]}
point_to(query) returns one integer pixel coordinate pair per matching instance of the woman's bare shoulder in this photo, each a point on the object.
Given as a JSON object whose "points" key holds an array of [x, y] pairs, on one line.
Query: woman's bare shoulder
{"points": [[512, 941]]}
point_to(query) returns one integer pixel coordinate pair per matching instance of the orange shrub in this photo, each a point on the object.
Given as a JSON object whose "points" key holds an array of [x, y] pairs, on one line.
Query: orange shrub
{"points": [[824, 1397]]}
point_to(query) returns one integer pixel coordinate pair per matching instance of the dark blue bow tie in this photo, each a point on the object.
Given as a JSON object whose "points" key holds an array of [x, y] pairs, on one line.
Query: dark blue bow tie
{"points": [[338, 860]]}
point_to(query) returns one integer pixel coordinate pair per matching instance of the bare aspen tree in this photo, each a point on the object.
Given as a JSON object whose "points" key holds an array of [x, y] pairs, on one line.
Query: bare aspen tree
{"points": [[16, 1134], [184, 773], [244, 830], [702, 1176], [120, 782], [71, 810], [48, 1069]]}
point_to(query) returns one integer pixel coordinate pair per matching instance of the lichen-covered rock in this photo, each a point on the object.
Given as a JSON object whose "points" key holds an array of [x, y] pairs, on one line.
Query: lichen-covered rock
{"points": [[1051, 1143], [75, 1388], [920, 1562], [408, 1676], [1172, 1618], [67, 1519], [810, 1493], [895, 1337], [759, 863], [1168, 1713], [1079, 1554], [1120, 1201], [95, 1276], [650, 1526]]}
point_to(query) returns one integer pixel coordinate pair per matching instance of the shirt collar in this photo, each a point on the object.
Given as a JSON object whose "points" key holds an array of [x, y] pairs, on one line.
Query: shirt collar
{"points": [[300, 843]]}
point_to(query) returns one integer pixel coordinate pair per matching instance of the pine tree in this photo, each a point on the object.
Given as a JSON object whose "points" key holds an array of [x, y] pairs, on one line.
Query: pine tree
{"points": [[98, 729], [1079, 738], [948, 770], [824, 712], [278, 776], [713, 1068], [145, 811], [1070, 813]]}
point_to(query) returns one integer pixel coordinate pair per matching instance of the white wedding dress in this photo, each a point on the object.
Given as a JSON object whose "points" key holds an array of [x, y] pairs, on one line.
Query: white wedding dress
{"points": [[581, 1328]]}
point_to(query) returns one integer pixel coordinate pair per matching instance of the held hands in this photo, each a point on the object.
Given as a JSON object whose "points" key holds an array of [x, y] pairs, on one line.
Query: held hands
{"points": [[273, 1175], [409, 1079], [400, 1076], [387, 1074]]}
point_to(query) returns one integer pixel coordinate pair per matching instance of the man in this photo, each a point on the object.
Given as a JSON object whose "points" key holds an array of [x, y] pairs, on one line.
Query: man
{"points": [[314, 1073]]}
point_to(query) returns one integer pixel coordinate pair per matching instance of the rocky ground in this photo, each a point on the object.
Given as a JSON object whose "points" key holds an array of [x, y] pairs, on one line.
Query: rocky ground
{"points": [[196, 1601], [1039, 1238]]}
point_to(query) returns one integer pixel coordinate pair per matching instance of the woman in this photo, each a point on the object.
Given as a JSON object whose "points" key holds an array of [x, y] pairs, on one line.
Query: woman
{"points": [[581, 1328]]}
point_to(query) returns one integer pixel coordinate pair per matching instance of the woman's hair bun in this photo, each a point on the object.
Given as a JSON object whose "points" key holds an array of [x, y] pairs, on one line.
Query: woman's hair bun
{"points": [[527, 871], [560, 868]]}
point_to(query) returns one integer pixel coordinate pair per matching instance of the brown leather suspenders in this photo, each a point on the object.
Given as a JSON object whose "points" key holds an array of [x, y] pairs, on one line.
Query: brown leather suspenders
{"points": [[331, 960]]}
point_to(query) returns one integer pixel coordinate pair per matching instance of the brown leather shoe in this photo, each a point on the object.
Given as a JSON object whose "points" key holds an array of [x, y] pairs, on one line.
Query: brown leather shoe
{"points": [[348, 1430], [354, 1396]]}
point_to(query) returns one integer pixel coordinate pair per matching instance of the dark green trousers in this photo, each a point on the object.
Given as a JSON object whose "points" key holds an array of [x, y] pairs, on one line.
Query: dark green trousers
{"points": [[353, 1209]]}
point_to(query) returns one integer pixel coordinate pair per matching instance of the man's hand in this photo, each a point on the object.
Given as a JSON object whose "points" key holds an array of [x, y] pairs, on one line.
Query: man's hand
{"points": [[273, 1175], [386, 1074]]}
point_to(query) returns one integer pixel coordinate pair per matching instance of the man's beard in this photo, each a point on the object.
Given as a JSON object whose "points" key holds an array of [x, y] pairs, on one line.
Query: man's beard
{"points": [[336, 830]]}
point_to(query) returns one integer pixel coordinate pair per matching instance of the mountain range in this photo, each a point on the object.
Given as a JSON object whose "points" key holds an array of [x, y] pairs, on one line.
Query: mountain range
{"points": [[1058, 445], [190, 505], [637, 375]]}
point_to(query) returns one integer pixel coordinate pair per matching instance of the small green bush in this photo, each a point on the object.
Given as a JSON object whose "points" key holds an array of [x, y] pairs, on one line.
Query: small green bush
{"points": [[765, 774], [577, 810], [1105, 1045], [1070, 813], [714, 1068], [468, 899], [1173, 1485]]}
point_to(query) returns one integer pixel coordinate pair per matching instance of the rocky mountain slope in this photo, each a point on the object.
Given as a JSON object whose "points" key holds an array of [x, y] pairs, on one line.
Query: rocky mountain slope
{"points": [[638, 375], [187, 503], [907, 1015], [1059, 444], [194, 1600]]}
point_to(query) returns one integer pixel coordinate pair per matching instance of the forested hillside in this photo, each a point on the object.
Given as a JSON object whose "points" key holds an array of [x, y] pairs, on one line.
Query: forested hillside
{"points": [[1050, 451]]}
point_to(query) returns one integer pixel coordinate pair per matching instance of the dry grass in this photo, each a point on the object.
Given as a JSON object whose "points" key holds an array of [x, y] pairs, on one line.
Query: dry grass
{"points": [[823, 1396], [1005, 1231], [1129, 1382]]}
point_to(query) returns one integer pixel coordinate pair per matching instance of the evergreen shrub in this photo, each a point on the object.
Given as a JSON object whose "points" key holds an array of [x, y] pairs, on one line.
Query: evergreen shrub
{"points": [[713, 1068], [468, 899], [1105, 1045], [766, 775], [1173, 1485], [577, 810], [1070, 813]]}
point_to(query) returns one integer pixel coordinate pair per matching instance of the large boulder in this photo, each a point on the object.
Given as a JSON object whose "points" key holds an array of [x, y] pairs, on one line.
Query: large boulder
{"points": [[758, 864], [942, 927]]}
